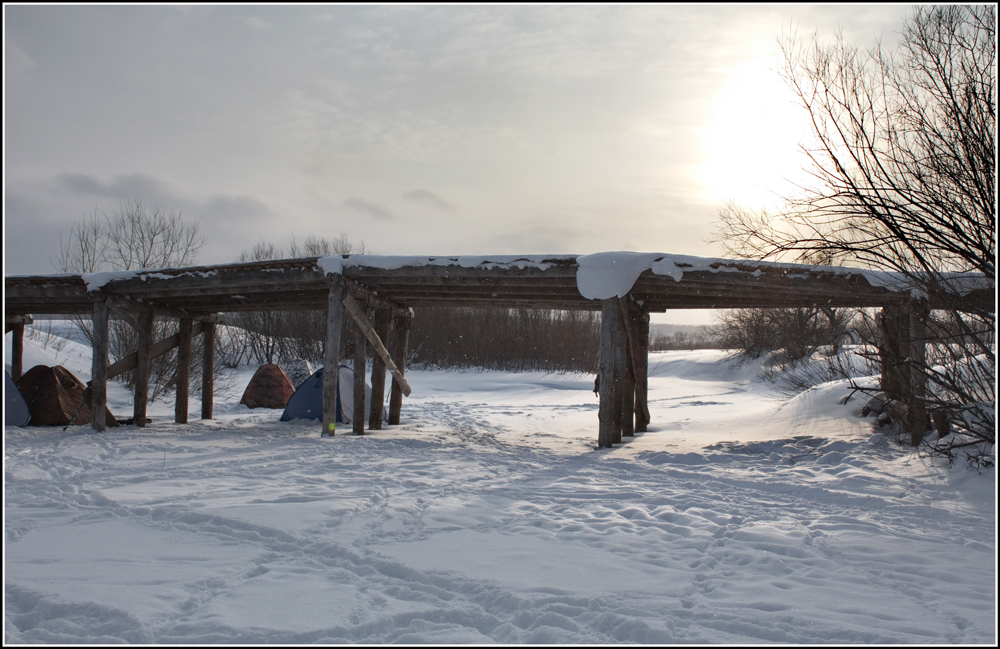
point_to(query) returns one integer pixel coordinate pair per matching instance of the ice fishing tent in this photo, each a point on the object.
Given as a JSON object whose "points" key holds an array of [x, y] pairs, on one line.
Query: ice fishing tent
{"points": [[15, 410], [270, 387], [307, 402], [56, 398]]}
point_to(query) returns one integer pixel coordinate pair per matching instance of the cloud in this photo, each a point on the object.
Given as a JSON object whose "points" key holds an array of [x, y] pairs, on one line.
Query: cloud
{"points": [[371, 209], [15, 59], [428, 199], [36, 211], [256, 22], [123, 187]]}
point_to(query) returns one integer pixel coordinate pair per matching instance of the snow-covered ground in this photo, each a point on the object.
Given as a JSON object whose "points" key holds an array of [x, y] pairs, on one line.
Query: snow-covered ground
{"points": [[487, 516]]}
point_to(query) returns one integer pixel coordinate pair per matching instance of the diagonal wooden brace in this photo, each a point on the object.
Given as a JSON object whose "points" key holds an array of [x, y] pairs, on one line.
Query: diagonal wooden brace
{"points": [[358, 315], [128, 361]]}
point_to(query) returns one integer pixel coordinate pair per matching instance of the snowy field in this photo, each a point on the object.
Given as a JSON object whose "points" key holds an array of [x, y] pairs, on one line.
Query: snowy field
{"points": [[488, 517]]}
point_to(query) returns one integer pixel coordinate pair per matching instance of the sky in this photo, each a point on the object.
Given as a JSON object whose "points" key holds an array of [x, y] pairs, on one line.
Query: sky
{"points": [[413, 129]]}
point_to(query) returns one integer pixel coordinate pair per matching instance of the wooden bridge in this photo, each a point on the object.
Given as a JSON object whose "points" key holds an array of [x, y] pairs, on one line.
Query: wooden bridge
{"points": [[373, 290]]}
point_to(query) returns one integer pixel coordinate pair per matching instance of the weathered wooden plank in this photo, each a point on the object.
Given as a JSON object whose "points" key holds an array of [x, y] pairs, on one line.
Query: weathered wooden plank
{"points": [[208, 370], [894, 341], [184, 334], [401, 349], [144, 324], [121, 313], [619, 373], [127, 362], [917, 401], [383, 320], [99, 367], [360, 292], [16, 351], [605, 376], [331, 356], [360, 361], [361, 320], [640, 409], [640, 325]]}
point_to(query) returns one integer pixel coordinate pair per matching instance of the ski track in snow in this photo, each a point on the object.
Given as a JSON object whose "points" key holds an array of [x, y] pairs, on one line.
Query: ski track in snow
{"points": [[477, 521]]}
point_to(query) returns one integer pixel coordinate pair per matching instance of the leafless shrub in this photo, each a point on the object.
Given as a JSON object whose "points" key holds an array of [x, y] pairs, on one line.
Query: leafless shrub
{"points": [[135, 236], [903, 178]]}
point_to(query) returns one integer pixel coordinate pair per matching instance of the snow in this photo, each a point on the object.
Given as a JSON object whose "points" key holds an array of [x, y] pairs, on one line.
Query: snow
{"points": [[488, 517], [335, 264], [599, 276], [605, 275]]}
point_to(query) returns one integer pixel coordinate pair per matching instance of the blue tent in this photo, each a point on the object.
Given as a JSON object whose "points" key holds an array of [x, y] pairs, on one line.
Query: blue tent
{"points": [[307, 402], [15, 410]]}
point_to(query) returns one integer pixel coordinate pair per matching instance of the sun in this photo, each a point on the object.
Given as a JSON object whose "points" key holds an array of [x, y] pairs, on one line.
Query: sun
{"points": [[754, 131]]}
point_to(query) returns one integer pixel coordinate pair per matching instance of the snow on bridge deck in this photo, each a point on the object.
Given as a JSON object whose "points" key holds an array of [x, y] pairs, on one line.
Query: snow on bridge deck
{"points": [[655, 281]]}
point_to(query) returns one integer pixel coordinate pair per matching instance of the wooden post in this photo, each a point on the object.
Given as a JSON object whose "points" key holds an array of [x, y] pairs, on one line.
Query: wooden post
{"points": [[360, 360], [632, 326], [640, 323], [605, 373], [361, 320], [184, 330], [619, 373], [917, 402], [626, 346], [207, 369], [894, 335], [127, 362], [142, 367], [99, 368], [400, 350], [331, 357], [17, 351], [383, 319]]}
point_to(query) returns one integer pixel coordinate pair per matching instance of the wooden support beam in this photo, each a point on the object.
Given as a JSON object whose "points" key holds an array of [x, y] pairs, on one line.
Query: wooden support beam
{"points": [[401, 349], [917, 403], [123, 305], [331, 356], [383, 320], [894, 334], [605, 375], [127, 362], [16, 351], [184, 334], [367, 296], [142, 368], [13, 319], [361, 320], [640, 326], [619, 373], [208, 370], [360, 360], [118, 306], [99, 368], [637, 360]]}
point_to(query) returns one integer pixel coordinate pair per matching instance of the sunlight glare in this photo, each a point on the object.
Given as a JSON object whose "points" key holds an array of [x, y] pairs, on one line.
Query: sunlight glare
{"points": [[752, 143]]}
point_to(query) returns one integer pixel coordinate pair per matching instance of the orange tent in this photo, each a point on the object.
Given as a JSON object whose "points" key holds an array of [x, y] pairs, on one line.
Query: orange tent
{"points": [[55, 397], [270, 387]]}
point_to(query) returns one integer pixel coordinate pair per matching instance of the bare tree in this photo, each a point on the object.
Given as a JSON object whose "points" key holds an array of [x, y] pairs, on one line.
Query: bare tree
{"points": [[903, 173], [274, 336], [135, 236]]}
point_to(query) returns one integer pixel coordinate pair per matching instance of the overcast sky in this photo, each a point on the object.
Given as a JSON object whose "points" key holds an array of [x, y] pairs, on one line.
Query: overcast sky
{"points": [[419, 130]]}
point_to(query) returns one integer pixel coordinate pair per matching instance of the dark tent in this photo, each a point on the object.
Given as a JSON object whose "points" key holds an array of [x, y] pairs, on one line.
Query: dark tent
{"points": [[15, 410], [307, 402], [270, 387], [56, 398]]}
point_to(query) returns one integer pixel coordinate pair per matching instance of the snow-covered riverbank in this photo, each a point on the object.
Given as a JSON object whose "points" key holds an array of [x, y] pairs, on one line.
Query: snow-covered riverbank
{"points": [[487, 516]]}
